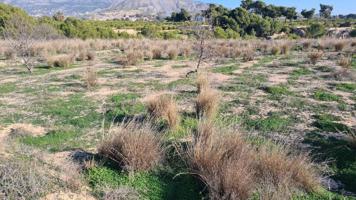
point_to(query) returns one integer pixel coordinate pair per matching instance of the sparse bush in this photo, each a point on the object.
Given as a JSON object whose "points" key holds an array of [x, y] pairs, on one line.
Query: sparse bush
{"points": [[134, 147], [186, 52], [207, 103], [315, 57], [165, 107], [91, 77], [89, 55]]}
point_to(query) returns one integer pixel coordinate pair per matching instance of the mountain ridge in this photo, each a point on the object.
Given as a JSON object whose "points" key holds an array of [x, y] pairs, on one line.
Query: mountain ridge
{"points": [[107, 9]]}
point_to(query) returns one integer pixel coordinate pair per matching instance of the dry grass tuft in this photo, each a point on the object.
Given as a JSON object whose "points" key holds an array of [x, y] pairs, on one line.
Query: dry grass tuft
{"points": [[165, 107], [315, 56], [281, 174], [232, 169], [207, 103], [172, 54], [91, 77], [345, 62], [130, 58], [223, 161], [275, 50], [202, 82], [63, 61], [248, 55], [285, 48], [134, 147], [157, 53]]}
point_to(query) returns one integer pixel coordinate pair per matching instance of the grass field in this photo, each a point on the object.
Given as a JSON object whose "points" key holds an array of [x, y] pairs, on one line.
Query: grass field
{"points": [[56, 117]]}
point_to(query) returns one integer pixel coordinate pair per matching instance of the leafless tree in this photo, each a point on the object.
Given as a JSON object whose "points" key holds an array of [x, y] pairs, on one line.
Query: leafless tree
{"points": [[202, 33], [22, 35]]}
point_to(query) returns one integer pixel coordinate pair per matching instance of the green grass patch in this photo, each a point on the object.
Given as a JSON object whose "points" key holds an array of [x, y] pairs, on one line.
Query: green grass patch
{"points": [[7, 88], [76, 111], [186, 127], [150, 186], [277, 91], [346, 87], [179, 82], [330, 123], [338, 154], [275, 122], [323, 95], [54, 141], [124, 106], [300, 72], [228, 70]]}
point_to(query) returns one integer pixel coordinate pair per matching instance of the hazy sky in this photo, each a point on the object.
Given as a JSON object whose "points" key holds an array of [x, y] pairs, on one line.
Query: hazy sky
{"points": [[340, 6]]}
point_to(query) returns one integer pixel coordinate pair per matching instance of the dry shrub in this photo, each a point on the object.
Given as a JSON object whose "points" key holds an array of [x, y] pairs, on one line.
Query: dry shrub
{"points": [[165, 107], [339, 46], [248, 55], [22, 179], [157, 53], [351, 139], [91, 77], [207, 103], [315, 56], [223, 161], [285, 48], [60, 61], [232, 169], [345, 62], [281, 174], [133, 146], [202, 82], [172, 54]]}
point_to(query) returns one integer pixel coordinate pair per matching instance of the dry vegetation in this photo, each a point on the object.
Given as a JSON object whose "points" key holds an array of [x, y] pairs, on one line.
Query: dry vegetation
{"points": [[229, 118], [134, 147]]}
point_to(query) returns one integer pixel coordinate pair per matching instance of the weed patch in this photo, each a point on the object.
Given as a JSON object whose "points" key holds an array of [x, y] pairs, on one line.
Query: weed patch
{"points": [[323, 95]]}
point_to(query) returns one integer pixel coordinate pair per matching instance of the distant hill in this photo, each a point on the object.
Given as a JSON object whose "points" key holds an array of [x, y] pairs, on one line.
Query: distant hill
{"points": [[107, 9]]}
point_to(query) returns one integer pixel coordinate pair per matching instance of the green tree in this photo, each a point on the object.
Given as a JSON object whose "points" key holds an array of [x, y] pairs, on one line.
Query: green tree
{"points": [[308, 14], [290, 13], [316, 30], [325, 10], [246, 4], [182, 16]]}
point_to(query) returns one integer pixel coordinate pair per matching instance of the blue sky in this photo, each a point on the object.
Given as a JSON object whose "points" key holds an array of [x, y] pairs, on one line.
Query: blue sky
{"points": [[340, 6]]}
